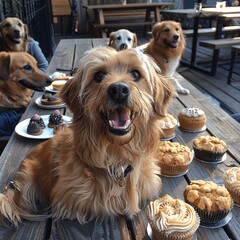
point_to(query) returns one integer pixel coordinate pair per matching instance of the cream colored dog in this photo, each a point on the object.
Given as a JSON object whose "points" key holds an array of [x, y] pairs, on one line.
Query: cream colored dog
{"points": [[123, 39]]}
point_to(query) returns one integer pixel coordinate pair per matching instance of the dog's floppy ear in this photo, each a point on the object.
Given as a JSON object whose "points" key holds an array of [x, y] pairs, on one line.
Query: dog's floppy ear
{"points": [[111, 39], [26, 36], [69, 94], [163, 94], [5, 61], [135, 43], [155, 30]]}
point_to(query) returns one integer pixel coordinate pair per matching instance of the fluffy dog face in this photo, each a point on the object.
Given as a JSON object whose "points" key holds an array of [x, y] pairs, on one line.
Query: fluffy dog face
{"points": [[117, 92], [122, 39], [14, 33], [168, 34]]}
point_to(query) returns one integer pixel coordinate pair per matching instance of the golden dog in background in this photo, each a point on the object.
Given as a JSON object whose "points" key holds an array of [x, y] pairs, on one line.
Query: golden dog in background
{"points": [[19, 75], [13, 35], [166, 47], [122, 39], [103, 163]]}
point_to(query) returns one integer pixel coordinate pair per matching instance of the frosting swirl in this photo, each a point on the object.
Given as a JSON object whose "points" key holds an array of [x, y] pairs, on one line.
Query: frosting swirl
{"points": [[232, 179], [192, 112], [168, 122], [170, 215]]}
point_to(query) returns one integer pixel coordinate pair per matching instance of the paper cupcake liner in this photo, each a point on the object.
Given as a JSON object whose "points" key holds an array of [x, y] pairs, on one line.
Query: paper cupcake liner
{"points": [[207, 156], [167, 132], [209, 217], [176, 235], [172, 169]]}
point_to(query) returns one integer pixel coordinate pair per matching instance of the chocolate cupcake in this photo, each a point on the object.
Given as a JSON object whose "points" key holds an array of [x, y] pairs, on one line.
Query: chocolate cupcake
{"points": [[38, 120], [34, 129]]}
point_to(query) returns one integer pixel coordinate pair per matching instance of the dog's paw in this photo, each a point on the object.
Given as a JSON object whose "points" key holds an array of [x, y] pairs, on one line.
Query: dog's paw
{"points": [[183, 91]]}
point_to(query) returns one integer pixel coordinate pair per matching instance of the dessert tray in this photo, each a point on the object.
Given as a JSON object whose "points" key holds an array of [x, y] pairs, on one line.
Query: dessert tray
{"points": [[197, 131], [21, 128], [219, 224], [39, 104], [216, 161]]}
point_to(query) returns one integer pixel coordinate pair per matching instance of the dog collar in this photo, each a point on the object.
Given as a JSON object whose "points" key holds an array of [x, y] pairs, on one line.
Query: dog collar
{"points": [[118, 174]]}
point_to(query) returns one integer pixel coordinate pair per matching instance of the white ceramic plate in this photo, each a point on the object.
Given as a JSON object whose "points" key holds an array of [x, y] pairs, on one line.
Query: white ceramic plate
{"points": [[38, 103], [21, 128]]}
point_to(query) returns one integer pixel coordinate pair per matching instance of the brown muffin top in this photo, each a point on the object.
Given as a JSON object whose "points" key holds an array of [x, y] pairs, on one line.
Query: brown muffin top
{"points": [[173, 153], [168, 122], [210, 143], [206, 195]]}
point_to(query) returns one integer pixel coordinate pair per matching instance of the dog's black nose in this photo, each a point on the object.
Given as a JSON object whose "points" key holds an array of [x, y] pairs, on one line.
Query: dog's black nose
{"points": [[16, 32], [49, 81], [175, 37], [118, 91], [123, 46]]}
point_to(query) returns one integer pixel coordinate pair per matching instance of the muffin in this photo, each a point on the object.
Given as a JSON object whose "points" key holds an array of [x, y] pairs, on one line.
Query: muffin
{"points": [[38, 120], [58, 84], [232, 183], [55, 119], [172, 219], [168, 125], [192, 119], [174, 158], [209, 148], [211, 201]]}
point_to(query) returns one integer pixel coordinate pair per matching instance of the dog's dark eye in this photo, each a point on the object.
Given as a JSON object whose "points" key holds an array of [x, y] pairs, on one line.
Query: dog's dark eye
{"points": [[177, 29], [129, 39], [119, 38], [136, 75], [99, 76], [166, 30], [20, 24], [8, 25], [27, 67]]}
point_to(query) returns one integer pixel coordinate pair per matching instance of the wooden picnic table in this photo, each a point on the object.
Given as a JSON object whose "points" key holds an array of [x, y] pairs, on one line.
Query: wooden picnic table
{"points": [[101, 12], [218, 14], [219, 124]]}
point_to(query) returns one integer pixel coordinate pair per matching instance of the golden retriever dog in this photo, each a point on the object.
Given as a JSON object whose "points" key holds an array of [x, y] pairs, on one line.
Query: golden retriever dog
{"points": [[103, 163], [19, 75], [122, 39], [166, 47], [13, 35]]}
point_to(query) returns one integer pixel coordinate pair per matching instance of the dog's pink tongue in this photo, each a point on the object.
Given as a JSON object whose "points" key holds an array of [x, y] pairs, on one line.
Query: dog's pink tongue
{"points": [[119, 118]]}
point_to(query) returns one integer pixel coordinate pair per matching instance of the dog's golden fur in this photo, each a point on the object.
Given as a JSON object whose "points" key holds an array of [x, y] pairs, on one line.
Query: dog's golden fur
{"points": [[166, 47], [116, 99], [19, 75], [13, 35]]}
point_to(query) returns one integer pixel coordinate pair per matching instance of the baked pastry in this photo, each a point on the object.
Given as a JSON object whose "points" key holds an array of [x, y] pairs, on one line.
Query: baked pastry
{"points": [[34, 129], [172, 219], [55, 119], [211, 201], [209, 148], [174, 158], [50, 99], [38, 120], [58, 84], [168, 125], [192, 119], [232, 183]]}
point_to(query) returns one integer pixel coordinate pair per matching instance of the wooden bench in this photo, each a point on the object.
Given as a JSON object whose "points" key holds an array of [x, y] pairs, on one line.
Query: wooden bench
{"points": [[212, 31], [234, 52], [216, 45]]}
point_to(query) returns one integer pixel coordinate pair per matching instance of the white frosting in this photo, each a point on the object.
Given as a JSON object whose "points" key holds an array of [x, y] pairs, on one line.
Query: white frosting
{"points": [[192, 112], [170, 215], [232, 179]]}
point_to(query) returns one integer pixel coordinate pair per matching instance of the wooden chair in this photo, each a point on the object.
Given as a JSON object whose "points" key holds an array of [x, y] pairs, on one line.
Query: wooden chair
{"points": [[235, 51]]}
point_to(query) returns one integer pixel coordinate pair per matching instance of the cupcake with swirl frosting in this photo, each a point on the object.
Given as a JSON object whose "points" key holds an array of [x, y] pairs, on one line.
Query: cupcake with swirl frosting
{"points": [[192, 119], [232, 183], [172, 219], [168, 125]]}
